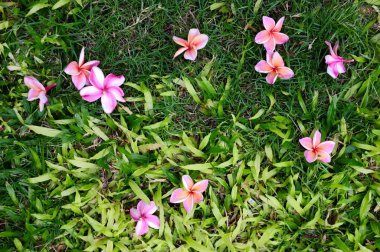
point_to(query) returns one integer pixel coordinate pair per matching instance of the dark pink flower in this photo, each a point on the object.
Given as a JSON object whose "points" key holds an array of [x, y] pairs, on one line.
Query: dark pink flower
{"points": [[37, 90], [80, 71], [143, 214], [334, 62]]}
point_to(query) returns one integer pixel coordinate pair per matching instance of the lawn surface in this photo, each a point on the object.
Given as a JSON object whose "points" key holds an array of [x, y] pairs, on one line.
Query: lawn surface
{"points": [[69, 185]]}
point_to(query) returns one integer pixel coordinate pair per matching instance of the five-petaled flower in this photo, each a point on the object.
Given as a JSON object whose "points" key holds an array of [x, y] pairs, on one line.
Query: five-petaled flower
{"points": [[271, 36], [274, 66], [143, 214], [37, 90], [315, 149], [108, 89], [192, 193], [334, 62], [80, 71], [195, 41]]}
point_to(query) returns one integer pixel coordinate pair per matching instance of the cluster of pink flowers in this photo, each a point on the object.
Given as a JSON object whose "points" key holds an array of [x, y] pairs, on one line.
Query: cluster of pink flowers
{"points": [[192, 194], [89, 79]]}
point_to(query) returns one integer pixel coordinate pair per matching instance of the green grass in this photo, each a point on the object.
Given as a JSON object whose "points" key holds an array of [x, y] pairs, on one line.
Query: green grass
{"points": [[71, 192]]}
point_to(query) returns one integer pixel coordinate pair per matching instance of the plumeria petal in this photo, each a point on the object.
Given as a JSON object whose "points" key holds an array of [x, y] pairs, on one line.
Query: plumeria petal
{"points": [[116, 92], [316, 139], [72, 68], [192, 34], [271, 77], [330, 48], [307, 143], [280, 38], [277, 60], [89, 65], [149, 208], [187, 182], [324, 157], [285, 73], [268, 23], [330, 59], [179, 51], [142, 227], [91, 93], [179, 195], [43, 100], [153, 221], [81, 57], [200, 41], [188, 204], [180, 41], [97, 77], [336, 46], [135, 214], [33, 94], [191, 54], [79, 80], [332, 71], [327, 146], [200, 186], [262, 37], [263, 67], [197, 197], [310, 156], [108, 102], [270, 45], [141, 206], [33, 83], [113, 81], [278, 25], [339, 66]]}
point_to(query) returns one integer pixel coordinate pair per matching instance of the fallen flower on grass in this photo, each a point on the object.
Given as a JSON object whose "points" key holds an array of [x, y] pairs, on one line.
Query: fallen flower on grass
{"points": [[108, 89], [274, 66], [37, 90], [143, 214], [195, 41], [334, 62], [80, 71], [317, 150], [271, 36], [192, 193]]}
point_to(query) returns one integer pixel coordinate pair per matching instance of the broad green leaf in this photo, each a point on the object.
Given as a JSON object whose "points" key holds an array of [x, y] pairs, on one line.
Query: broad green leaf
{"points": [[12, 193], [365, 206], [60, 3], [39, 179], [44, 131], [215, 6], [36, 7], [139, 193], [191, 90]]}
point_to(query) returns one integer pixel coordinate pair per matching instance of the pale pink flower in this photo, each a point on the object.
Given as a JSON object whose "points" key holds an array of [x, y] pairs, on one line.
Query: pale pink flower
{"points": [[143, 214], [271, 36], [317, 150], [192, 193], [334, 62], [80, 71], [195, 41], [108, 89], [274, 66], [37, 90]]}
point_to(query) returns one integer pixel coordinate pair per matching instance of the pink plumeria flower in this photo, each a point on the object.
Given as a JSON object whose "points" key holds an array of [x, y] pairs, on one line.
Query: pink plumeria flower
{"points": [[192, 193], [143, 214], [271, 36], [317, 150], [108, 89], [37, 90], [80, 71], [274, 66], [195, 41], [334, 62]]}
